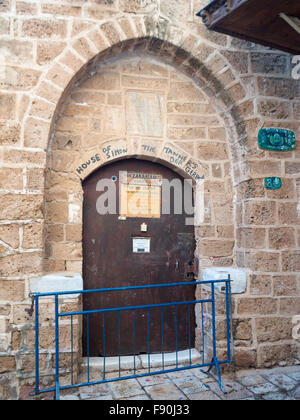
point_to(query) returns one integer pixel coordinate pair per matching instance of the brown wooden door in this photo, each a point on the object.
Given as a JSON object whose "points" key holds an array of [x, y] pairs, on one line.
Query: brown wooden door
{"points": [[109, 261]]}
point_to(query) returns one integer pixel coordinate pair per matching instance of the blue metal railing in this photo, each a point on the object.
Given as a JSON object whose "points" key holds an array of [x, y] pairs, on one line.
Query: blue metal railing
{"points": [[118, 310]]}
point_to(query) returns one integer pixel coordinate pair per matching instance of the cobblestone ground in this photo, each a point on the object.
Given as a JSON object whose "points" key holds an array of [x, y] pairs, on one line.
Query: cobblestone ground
{"points": [[274, 384]]}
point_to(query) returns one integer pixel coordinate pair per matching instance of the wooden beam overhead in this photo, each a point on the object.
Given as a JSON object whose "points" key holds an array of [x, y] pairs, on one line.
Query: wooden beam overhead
{"points": [[274, 23]]}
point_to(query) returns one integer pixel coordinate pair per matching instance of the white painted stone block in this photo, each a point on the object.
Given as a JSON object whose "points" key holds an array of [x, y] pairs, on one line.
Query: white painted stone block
{"points": [[111, 363], [4, 343], [183, 357], [238, 278], [57, 282]]}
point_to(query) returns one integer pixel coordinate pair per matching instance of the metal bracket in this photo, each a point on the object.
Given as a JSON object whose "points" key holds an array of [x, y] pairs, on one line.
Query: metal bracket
{"points": [[31, 309]]}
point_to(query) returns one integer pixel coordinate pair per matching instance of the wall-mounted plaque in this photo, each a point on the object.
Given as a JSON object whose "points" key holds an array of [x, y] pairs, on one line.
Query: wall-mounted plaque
{"points": [[276, 139], [140, 194], [273, 183], [141, 245]]}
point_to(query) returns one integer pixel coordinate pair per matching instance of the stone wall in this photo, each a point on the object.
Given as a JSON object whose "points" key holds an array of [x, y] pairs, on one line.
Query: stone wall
{"points": [[57, 56]]}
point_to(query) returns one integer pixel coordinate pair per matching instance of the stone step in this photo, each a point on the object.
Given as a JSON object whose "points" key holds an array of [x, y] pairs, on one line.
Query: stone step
{"points": [[127, 363]]}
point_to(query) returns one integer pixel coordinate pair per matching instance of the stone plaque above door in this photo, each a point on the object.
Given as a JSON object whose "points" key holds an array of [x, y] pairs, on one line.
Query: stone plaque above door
{"points": [[144, 114]]}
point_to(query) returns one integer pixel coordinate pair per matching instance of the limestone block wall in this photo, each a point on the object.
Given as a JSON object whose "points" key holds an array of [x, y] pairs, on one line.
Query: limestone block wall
{"points": [[69, 71]]}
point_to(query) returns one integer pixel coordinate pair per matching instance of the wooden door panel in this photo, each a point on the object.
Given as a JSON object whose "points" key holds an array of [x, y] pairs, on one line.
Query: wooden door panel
{"points": [[109, 261]]}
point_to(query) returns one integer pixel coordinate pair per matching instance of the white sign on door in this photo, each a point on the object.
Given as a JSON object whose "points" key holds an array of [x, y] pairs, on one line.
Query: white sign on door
{"points": [[141, 245]]}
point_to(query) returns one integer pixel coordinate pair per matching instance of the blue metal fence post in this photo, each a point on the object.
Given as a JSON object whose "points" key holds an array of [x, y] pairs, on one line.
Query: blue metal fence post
{"points": [[104, 345], [230, 338], [37, 365], [72, 356], [228, 319], [215, 357], [57, 389]]}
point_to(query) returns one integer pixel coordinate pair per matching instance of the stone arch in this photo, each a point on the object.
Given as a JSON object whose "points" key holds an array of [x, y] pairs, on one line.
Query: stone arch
{"points": [[172, 45], [175, 45], [68, 164], [215, 242]]}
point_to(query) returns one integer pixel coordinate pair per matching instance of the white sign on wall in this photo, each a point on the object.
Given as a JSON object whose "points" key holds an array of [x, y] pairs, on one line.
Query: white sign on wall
{"points": [[238, 278]]}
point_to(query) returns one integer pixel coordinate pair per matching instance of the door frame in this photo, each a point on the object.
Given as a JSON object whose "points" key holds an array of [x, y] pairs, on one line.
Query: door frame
{"points": [[167, 174], [177, 170]]}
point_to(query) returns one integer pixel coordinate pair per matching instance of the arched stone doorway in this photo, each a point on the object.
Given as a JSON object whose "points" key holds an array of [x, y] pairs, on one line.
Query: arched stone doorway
{"points": [[138, 107], [142, 108]]}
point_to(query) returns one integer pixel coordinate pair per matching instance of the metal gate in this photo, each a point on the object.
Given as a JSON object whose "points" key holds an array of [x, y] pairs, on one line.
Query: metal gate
{"points": [[207, 317]]}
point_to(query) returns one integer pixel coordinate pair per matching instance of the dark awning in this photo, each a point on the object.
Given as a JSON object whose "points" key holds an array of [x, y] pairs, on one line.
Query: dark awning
{"points": [[274, 23]]}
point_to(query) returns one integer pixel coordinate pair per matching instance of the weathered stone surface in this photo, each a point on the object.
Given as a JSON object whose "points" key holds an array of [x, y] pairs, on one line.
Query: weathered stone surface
{"points": [[260, 285], [264, 389], [35, 179], [216, 248], [16, 51], [10, 235], [21, 207], [47, 51], [74, 233], [44, 28], [245, 358], [7, 106], [24, 157], [291, 261], [290, 306], [36, 133], [274, 109], [9, 133], [260, 213], [269, 63], [7, 363], [265, 168], [138, 6], [284, 382], [33, 235], [262, 306], [11, 179], [57, 212], [292, 168], [288, 214], [273, 329], [211, 151], [270, 355], [4, 26], [281, 238], [12, 290], [251, 238], [69, 103], [21, 264], [67, 251], [263, 261], [282, 88], [18, 78], [285, 285], [144, 114]]}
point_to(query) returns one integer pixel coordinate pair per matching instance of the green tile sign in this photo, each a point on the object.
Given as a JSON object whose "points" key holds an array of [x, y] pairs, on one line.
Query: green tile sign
{"points": [[273, 183], [276, 139]]}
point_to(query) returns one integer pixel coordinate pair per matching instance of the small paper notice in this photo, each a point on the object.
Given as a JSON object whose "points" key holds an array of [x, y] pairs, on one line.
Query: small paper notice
{"points": [[141, 245]]}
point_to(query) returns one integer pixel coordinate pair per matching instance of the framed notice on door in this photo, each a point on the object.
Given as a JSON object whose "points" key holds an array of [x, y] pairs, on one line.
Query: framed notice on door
{"points": [[140, 195]]}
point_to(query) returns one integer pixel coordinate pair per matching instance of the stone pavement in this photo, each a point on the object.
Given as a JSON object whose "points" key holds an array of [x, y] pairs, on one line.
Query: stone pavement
{"points": [[273, 384]]}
